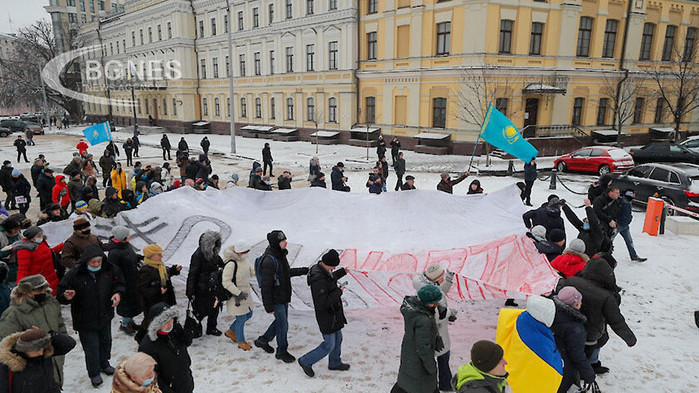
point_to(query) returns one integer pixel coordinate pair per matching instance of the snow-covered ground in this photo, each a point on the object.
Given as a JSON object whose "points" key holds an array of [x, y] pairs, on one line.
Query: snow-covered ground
{"points": [[659, 297]]}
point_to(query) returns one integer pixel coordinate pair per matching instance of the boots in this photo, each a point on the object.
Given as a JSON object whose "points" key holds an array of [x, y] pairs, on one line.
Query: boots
{"points": [[244, 346], [231, 334]]}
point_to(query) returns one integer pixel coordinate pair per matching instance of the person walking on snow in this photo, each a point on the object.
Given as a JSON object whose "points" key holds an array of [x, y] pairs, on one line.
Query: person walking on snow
{"points": [[327, 302], [625, 218], [182, 145], [82, 147], [529, 178], [236, 279], [399, 166], [21, 146], [380, 147], [204, 262], [165, 145], [267, 160], [395, 149], [205, 144], [136, 143]]}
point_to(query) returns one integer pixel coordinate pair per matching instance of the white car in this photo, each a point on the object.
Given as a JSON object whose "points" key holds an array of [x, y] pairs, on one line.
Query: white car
{"points": [[691, 143]]}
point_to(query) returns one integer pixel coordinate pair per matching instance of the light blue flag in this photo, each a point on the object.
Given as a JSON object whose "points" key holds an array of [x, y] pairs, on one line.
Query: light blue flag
{"points": [[98, 133], [499, 131]]}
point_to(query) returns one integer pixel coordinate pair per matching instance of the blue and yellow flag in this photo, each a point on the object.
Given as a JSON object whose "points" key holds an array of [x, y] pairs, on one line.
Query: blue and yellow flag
{"points": [[98, 133], [534, 364], [499, 131]]}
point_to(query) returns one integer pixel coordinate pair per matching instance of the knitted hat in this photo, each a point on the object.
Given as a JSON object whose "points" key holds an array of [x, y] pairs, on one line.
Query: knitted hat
{"points": [[557, 235], [120, 233], [33, 340], [152, 249], [110, 192], [32, 232], [275, 237], [429, 294], [542, 309], [485, 355], [569, 296], [331, 258], [15, 173], [539, 231], [577, 246], [81, 223], [33, 283], [177, 183], [81, 205], [434, 272], [553, 202]]}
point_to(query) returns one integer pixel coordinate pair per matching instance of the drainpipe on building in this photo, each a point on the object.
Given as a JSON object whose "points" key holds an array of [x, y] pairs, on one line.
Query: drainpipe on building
{"points": [[230, 76], [196, 57], [356, 67], [624, 69], [104, 75]]}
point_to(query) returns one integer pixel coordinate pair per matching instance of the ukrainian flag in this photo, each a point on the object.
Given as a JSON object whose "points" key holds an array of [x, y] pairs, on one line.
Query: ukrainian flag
{"points": [[98, 133], [499, 131], [534, 364]]}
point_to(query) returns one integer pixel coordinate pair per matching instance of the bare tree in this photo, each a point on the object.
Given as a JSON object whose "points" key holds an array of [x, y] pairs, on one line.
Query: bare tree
{"points": [[317, 119], [21, 79], [620, 92], [677, 83]]}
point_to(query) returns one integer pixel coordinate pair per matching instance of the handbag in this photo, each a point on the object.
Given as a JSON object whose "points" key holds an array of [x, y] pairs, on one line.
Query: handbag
{"points": [[191, 324]]}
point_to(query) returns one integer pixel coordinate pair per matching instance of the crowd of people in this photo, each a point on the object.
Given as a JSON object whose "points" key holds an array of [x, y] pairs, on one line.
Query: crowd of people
{"points": [[99, 279]]}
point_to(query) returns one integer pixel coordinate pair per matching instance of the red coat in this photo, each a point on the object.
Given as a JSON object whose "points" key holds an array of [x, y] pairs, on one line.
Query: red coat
{"points": [[38, 260], [82, 147], [57, 189], [568, 264]]}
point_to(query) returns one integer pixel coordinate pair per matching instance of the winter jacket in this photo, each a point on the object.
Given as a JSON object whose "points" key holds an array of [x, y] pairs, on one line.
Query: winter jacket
{"points": [[6, 240], [111, 207], [6, 178], [112, 149], [381, 148], [420, 281], [119, 180], [327, 298], [89, 168], [546, 247], [122, 255], [318, 183], [607, 210], [276, 278], [478, 189], [4, 296], [313, 169], [203, 263], [31, 375], [73, 166], [91, 307], [25, 312], [374, 186], [205, 144], [548, 217], [203, 171], [107, 164], [122, 383], [74, 246], [570, 263], [625, 215], [244, 272], [60, 194], [600, 189], [594, 238], [21, 145], [44, 185], [529, 172], [601, 300], [447, 185], [88, 192], [267, 155], [182, 145], [22, 187], [407, 187], [469, 379], [46, 216], [284, 183], [150, 287], [82, 147], [384, 169], [128, 147], [74, 185], [399, 166], [418, 366], [35, 171], [173, 370], [33, 258], [165, 143], [395, 147], [569, 331], [336, 179], [192, 170]]}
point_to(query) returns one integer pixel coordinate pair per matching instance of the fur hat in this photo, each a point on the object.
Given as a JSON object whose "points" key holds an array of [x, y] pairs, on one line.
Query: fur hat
{"points": [[33, 340], [539, 231], [434, 272], [152, 249], [429, 294], [569, 296], [542, 309], [120, 233], [80, 224], [32, 283], [577, 246], [331, 258], [32, 232], [486, 355]]}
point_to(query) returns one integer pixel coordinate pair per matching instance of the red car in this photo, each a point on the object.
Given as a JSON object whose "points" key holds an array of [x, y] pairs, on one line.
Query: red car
{"points": [[596, 159]]}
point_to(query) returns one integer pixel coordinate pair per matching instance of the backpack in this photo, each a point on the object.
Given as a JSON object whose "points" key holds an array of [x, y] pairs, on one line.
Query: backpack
{"points": [[216, 287], [258, 270]]}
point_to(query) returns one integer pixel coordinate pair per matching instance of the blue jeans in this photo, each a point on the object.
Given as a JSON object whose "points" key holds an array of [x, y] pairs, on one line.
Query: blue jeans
{"points": [[625, 232], [125, 321], [332, 344], [278, 328], [444, 371], [594, 356], [238, 326]]}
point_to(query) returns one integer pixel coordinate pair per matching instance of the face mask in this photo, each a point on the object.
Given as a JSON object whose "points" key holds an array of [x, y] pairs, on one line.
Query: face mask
{"points": [[38, 240], [148, 381], [586, 226], [166, 331], [94, 269], [40, 297]]}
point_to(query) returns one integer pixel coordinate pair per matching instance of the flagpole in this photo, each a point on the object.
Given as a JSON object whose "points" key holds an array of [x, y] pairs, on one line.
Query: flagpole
{"points": [[479, 137]]}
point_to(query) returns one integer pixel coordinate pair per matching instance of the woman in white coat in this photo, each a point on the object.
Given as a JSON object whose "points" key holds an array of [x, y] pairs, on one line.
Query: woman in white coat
{"points": [[436, 275], [236, 277]]}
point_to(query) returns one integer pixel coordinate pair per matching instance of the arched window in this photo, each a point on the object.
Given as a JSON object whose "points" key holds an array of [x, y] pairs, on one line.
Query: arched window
{"points": [[332, 110]]}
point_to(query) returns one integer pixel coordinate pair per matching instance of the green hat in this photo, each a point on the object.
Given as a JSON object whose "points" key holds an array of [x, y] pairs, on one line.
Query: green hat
{"points": [[429, 294]]}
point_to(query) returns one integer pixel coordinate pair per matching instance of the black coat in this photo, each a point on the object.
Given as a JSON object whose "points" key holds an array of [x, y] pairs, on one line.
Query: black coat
{"points": [[31, 375], [267, 155], [407, 187], [336, 179], [165, 143], [327, 298], [91, 308], [284, 183], [601, 300], [399, 166], [6, 178], [395, 147], [381, 148], [595, 238], [191, 170], [36, 172], [128, 147], [548, 217], [277, 291], [21, 145], [318, 183], [204, 261], [384, 168], [529, 172], [607, 210], [569, 331], [123, 256], [547, 247], [44, 185], [203, 171], [149, 287], [22, 187], [88, 192], [205, 144], [110, 207], [182, 146]]}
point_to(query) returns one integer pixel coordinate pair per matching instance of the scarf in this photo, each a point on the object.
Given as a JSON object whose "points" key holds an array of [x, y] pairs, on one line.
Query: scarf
{"points": [[162, 270]]}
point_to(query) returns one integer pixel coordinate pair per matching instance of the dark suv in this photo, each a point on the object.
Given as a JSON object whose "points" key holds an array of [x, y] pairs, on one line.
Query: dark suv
{"points": [[13, 125], [677, 184]]}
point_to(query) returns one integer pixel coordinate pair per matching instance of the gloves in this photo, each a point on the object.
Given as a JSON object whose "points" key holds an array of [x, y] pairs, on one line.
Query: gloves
{"points": [[442, 312], [452, 318], [242, 296], [439, 344], [591, 387], [449, 276]]}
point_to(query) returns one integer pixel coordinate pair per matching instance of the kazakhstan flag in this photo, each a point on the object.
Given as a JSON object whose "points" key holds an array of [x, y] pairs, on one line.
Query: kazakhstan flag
{"points": [[499, 131], [98, 133]]}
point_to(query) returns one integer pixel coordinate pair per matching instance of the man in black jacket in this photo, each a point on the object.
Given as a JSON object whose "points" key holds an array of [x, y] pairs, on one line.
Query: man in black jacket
{"points": [[276, 294], [182, 145], [380, 147], [395, 149], [165, 145], [548, 215], [123, 256], [267, 160], [21, 146], [166, 342], [284, 181], [112, 204], [590, 230], [529, 178], [205, 144], [204, 262], [136, 143], [409, 183], [93, 289], [607, 208], [7, 185], [327, 302], [338, 178], [399, 166], [44, 185]]}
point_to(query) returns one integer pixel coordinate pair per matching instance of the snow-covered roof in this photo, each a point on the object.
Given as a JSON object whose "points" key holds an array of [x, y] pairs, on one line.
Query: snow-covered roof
{"points": [[364, 129], [432, 135], [201, 123], [543, 89], [607, 132], [663, 129], [257, 128], [284, 131], [325, 134]]}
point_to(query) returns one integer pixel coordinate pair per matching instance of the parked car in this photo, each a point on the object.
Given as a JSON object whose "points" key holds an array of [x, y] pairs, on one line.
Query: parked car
{"points": [[597, 159], [676, 183], [664, 152], [14, 125], [5, 132], [37, 129], [691, 143]]}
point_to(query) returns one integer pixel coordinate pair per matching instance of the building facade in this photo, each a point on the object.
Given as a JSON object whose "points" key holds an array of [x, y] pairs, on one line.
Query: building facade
{"points": [[8, 43], [68, 15]]}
